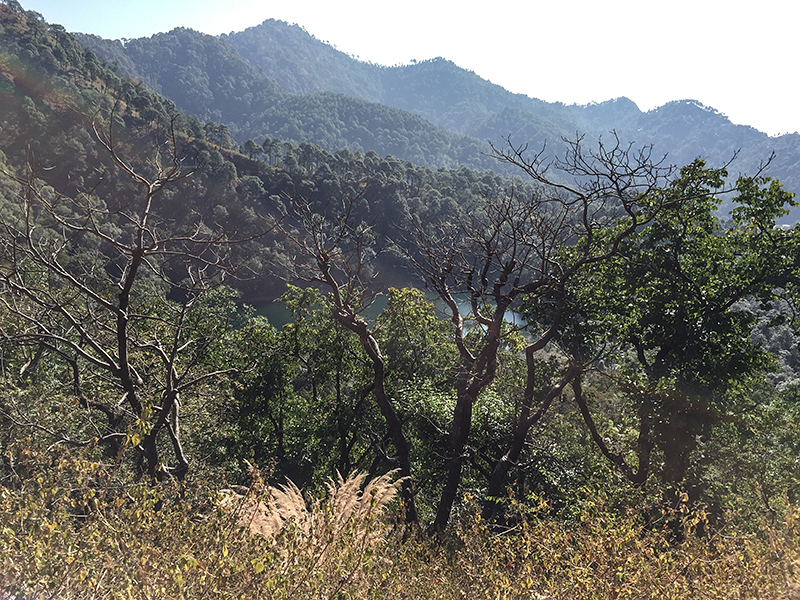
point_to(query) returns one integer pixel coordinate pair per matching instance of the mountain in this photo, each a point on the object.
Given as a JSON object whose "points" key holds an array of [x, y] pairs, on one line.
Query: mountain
{"points": [[277, 80], [54, 93], [207, 77], [461, 101]]}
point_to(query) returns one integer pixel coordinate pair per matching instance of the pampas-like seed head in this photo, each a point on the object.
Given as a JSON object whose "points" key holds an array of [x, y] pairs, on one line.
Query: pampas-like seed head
{"points": [[345, 505]]}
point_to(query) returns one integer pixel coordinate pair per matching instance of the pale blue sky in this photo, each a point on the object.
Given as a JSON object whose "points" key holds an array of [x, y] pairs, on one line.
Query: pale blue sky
{"points": [[738, 58]]}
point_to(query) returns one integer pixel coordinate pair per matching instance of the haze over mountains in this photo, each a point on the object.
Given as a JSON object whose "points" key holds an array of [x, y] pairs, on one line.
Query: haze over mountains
{"points": [[277, 80]]}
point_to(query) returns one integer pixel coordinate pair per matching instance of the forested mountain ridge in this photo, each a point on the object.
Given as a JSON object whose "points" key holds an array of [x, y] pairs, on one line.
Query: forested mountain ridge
{"points": [[470, 111], [437, 89], [460, 100], [206, 77], [608, 387]]}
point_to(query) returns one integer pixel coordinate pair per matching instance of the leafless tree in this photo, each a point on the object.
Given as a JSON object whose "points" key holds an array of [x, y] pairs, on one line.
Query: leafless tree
{"points": [[337, 254], [513, 249], [85, 277]]}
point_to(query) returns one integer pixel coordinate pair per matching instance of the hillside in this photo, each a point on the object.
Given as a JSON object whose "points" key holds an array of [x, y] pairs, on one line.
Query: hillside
{"points": [[205, 76], [312, 90], [459, 100], [509, 387]]}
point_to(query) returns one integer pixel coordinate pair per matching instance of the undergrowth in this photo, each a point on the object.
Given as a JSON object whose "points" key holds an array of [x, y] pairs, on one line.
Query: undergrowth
{"points": [[72, 532]]}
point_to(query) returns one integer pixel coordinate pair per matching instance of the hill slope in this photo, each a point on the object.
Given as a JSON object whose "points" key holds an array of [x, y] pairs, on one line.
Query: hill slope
{"points": [[461, 101], [205, 76], [275, 79]]}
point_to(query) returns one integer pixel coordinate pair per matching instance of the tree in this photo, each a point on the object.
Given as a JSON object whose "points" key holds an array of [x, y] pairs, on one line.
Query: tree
{"points": [[679, 303], [516, 251], [418, 344], [335, 252], [313, 366], [252, 149], [85, 279]]}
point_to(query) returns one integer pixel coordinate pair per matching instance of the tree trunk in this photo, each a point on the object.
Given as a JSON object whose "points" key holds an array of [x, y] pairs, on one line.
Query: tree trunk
{"points": [[501, 469], [524, 424], [393, 423], [459, 434], [474, 378]]}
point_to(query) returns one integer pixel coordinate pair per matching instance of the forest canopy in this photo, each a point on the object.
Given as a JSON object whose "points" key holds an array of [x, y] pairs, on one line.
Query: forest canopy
{"points": [[590, 346]]}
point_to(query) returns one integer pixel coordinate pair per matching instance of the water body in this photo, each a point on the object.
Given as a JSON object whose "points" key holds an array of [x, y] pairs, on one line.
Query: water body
{"points": [[277, 314]]}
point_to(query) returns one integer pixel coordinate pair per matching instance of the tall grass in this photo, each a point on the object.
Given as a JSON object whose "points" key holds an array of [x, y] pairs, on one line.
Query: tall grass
{"points": [[70, 532]]}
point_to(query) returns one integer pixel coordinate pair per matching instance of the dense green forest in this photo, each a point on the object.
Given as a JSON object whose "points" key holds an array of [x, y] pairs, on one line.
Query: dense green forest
{"points": [[320, 95], [579, 380], [205, 76]]}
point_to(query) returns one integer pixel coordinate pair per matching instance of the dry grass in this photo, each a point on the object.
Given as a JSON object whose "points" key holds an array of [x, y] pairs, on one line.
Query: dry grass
{"points": [[73, 540], [268, 511]]}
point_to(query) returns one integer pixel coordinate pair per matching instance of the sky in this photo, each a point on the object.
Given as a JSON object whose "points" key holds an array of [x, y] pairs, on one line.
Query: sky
{"points": [[739, 58]]}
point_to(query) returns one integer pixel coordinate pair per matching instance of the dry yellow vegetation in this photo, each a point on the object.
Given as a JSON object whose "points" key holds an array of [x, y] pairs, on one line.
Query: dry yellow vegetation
{"points": [[70, 533]]}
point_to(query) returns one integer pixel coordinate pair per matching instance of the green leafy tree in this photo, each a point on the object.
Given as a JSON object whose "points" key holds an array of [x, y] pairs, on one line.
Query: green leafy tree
{"points": [[252, 149], [676, 304], [417, 342], [304, 409]]}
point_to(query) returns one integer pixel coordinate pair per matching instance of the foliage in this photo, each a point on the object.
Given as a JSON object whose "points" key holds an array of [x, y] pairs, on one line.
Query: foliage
{"points": [[417, 342], [103, 288], [650, 325], [69, 532], [675, 312], [76, 535], [331, 99], [303, 406]]}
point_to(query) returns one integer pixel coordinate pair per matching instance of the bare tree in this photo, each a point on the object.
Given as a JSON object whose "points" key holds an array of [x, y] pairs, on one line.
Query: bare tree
{"points": [[337, 254], [515, 249], [85, 279]]}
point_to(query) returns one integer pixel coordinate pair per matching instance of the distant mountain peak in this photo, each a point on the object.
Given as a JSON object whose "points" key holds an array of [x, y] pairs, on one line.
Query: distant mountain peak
{"points": [[277, 79]]}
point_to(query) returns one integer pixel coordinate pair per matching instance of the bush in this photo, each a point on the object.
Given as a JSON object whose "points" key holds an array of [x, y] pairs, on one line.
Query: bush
{"points": [[71, 531]]}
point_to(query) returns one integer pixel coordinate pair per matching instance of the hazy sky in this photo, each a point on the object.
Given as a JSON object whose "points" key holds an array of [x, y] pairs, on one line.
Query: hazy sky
{"points": [[738, 58]]}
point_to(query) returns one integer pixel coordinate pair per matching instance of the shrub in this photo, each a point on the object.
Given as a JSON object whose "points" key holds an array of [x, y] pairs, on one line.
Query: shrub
{"points": [[71, 530]]}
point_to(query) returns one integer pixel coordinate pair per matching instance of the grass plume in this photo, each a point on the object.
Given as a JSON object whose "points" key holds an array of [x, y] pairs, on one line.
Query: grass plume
{"points": [[67, 534]]}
